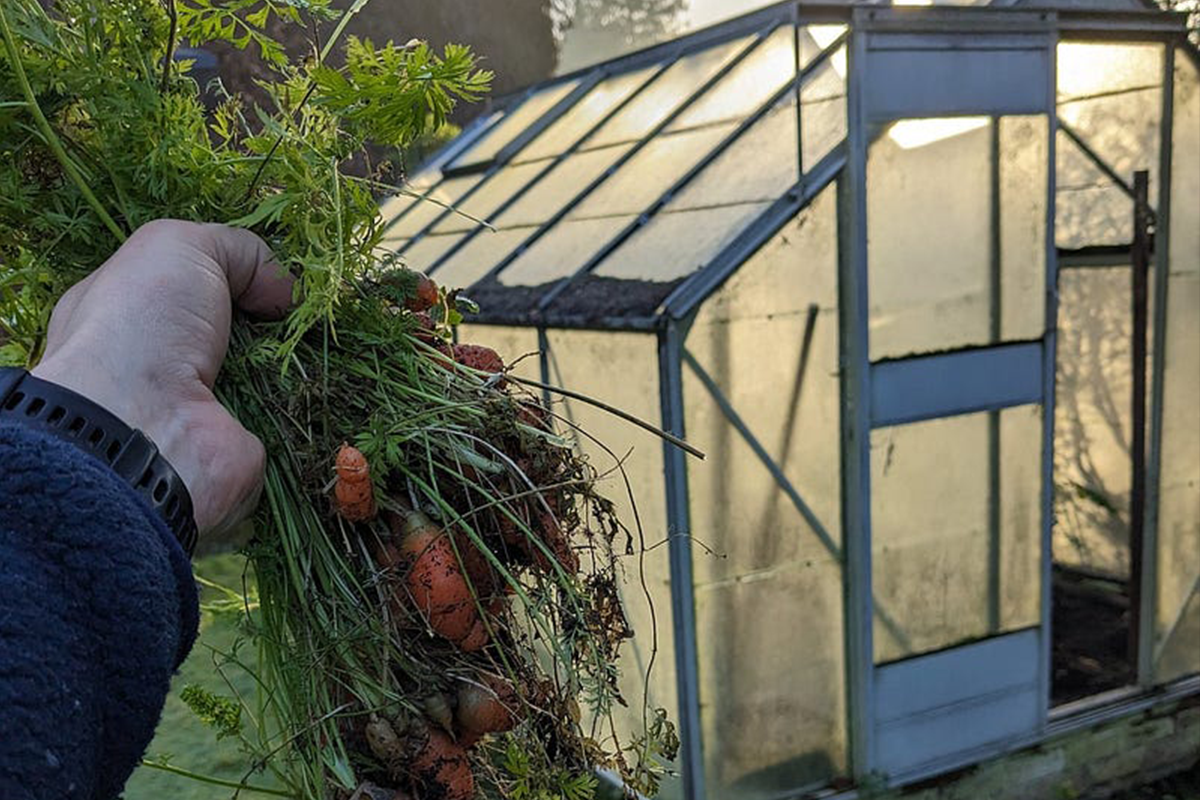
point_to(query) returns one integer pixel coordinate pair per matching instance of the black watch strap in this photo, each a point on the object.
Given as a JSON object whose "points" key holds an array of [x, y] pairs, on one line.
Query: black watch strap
{"points": [[73, 418]]}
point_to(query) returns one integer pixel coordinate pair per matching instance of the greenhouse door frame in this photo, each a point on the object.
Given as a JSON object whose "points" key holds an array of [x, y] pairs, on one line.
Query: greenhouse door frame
{"points": [[907, 718]]}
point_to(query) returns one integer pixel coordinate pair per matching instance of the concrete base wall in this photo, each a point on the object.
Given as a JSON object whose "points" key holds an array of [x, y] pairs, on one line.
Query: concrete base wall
{"points": [[1091, 763]]}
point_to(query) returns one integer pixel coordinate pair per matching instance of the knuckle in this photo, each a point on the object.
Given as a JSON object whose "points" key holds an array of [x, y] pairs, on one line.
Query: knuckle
{"points": [[165, 229]]}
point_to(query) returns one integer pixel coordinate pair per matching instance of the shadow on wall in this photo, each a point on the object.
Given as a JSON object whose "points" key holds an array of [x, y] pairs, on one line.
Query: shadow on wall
{"points": [[1092, 428]]}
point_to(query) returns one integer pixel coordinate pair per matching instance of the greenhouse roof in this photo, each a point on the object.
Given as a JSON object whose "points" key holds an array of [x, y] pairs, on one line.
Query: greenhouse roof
{"points": [[623, 194]]}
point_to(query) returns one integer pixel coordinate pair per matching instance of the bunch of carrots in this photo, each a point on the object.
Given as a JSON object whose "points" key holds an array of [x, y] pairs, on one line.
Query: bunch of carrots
{"points": [[435, 606]]}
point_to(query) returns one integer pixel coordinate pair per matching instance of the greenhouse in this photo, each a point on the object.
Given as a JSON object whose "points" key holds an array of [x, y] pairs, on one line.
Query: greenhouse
{"points": [[924, 285]]}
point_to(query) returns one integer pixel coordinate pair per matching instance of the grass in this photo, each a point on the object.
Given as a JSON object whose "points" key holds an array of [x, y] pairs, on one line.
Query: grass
{"points": [[187, 741]]}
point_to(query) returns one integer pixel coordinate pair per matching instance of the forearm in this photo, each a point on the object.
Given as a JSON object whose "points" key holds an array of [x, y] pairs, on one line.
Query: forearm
{"points": [[97, 609]]}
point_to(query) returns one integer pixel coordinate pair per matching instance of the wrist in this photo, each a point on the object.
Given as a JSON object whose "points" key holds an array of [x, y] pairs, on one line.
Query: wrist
{"points": [[131, 402], [59, 409]]}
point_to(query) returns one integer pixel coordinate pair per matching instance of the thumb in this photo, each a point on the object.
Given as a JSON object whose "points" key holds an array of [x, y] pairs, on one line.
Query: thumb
{"points": [[257, 283]]}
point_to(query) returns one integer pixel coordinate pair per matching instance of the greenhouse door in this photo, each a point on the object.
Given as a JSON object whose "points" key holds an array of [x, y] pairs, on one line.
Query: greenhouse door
{"points": [[948, 382]]}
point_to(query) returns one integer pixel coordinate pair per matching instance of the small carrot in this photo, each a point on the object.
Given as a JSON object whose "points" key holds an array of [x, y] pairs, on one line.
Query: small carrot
{"points": [[354, 498], [435, 581], [488, 706], [478, 357], [441, 768]]}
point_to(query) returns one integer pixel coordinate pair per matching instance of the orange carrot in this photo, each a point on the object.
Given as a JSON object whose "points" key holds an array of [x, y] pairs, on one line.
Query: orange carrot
{"points": [[442, 768], [488, 706], [353, 495], [435, 581]]}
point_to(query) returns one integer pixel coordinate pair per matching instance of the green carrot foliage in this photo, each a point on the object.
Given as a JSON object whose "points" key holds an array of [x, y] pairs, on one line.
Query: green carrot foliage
{"points": [[102, 130]]}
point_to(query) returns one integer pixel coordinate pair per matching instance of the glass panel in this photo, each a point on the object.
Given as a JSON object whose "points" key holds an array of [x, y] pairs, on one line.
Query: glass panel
{"points": [[823, 110], [654, 103], [759, 166], [389, 248], [772, 684], [1185, 167], [748, 85], [1177, 631], [622, 369], [478, 256], [515, 122], [674, 245], [547, 197], [447, 193], [649, 173], [586, 114], [396, 204], [1111, 95], [931, 278], [1092, 468], [815, 38], [933, 537], [1024, 190], [562, 251], [426, 251], [643, 271], [494, 191], [1090, 209]]}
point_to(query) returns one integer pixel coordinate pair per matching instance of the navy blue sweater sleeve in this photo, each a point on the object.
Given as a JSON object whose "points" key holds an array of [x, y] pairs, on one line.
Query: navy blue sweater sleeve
{"points": [[97, 610]]}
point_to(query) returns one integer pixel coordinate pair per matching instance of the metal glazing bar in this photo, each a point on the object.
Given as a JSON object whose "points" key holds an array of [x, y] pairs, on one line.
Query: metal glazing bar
{"points": [[498, 162], [1137, 425], [856, 416], [1049, 364], [700, 285], [570, 205], [748, 436], [796, 85], [683, 602], [1100, 163], [544, 366], [995, 332], [554, 162], [1162, 285], [656, 206]]}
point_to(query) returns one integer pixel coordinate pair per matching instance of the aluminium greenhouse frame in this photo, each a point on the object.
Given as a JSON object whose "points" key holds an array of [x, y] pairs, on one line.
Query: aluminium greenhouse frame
{"points": [[862, 394]]}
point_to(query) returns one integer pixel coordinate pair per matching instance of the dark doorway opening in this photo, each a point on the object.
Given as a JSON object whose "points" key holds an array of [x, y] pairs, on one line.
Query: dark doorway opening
{"points": [[1099, 463]]}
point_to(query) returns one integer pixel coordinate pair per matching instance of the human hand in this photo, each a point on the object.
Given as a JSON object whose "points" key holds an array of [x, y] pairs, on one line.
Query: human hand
{"points": [[144, 336]]}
